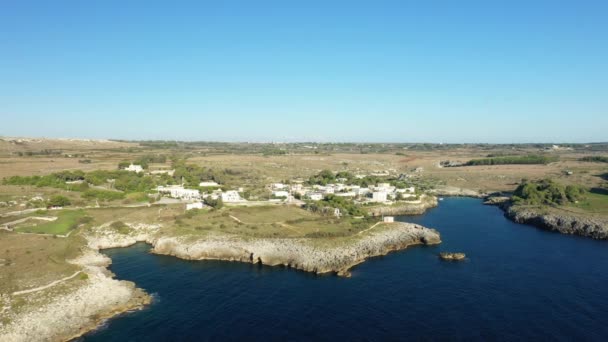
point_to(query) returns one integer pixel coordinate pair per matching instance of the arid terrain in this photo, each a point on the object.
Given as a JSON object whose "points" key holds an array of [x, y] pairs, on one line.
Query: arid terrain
{"points": [[49, 250]]}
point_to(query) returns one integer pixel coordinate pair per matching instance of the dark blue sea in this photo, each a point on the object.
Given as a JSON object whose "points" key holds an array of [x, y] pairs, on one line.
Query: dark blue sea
{"points": [[518, 283]]}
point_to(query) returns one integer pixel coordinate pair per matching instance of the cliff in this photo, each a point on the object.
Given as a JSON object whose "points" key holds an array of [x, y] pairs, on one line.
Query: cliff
{"points": [[559, 220]]}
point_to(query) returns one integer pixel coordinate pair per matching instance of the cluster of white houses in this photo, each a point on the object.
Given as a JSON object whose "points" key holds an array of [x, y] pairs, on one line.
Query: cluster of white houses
{"points": [[179, 192], [381, 192]]}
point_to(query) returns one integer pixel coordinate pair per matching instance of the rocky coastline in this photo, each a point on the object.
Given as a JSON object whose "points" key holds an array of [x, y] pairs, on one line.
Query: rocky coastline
{"points": [[306, 254], [559, 220], [85, 307], [101, 297]]}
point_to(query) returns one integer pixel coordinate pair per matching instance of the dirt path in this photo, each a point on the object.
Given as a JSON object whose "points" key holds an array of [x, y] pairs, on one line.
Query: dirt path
{"points": [[40, 288], [370, 228]]}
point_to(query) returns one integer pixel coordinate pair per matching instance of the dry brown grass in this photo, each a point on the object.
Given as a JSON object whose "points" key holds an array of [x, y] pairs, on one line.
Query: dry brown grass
{"points": [[30, 260]]}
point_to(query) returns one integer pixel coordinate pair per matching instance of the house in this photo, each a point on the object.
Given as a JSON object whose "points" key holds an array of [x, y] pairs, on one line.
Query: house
{"points": [[346, 194], [379, 196], [315, 196], [178, 191], [409, 190], [278, 186], [134, 168], [280, 193], [195, 205], [388, 219], [208, 184], [231, 196]]}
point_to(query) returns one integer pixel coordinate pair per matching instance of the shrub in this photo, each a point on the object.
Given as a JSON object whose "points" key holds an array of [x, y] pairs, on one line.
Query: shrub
{"points": [[59, 201]]}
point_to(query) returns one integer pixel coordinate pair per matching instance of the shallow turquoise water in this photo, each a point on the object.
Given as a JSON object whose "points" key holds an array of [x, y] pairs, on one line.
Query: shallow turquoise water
{"points": [[518, 283]]}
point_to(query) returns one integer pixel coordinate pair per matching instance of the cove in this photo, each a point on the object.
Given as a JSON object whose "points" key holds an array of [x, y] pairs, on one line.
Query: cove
{"points": [[518, 283]]}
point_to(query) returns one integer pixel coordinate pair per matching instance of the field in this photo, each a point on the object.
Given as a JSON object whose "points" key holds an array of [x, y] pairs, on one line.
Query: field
{"points": [[66, 221], [32, 260]]}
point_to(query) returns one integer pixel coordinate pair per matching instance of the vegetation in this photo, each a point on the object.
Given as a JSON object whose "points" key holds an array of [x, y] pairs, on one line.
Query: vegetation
{"points": [[67, 220], [59, 201], [547, 192], [595, 159], [527, 159], [103, 195], [346, 206], [214, 203], [144, 161]]}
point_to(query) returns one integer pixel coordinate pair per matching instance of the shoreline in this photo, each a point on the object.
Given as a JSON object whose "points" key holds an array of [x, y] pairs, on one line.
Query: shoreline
{"points": [[86, 307], [562, 222], [103, 297]]}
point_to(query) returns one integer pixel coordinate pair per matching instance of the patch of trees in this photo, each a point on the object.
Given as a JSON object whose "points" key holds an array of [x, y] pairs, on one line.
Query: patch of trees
{"points": [[547, 192], [55, 180], [122, 180], [326, 205], [527, 159], [595, 159], [39, 153], [273, 152], [144, 161], [103, 195]]}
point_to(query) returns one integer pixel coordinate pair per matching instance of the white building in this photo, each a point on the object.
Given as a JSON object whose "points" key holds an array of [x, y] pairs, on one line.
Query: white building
{"points": [[207, 184], [388, 219], [195, 205], [160, 172], [379, 196], [278, 186], [315, 196], [231, 196], [178, 191], [280, 193], [346, 194], [134, 168]]}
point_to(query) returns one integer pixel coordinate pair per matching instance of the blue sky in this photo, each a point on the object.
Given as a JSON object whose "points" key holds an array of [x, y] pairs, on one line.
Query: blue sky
{"points": [[400, 71]]}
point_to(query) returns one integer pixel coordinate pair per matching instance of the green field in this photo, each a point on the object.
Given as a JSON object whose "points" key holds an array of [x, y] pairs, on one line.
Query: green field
{"points": [[66, 221], [594, 203], [269, 221]]}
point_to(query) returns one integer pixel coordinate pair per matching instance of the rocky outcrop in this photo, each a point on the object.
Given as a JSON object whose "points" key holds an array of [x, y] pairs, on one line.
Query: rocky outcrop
{"points": [[451, 256], [303, 254], [452, 191], [405, 208], [82, 309], [560, 221], [308, 254]]}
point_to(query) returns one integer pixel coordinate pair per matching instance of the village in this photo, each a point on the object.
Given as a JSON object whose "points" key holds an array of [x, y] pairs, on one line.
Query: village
{"points": [[296, 192]]}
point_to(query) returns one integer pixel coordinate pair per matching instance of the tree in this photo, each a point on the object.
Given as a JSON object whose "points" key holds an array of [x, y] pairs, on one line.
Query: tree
{"points": [[214, 203]]}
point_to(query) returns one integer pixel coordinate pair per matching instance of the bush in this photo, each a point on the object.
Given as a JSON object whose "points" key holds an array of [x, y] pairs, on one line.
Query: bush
{"points": [[214, 203], [59, 201]]}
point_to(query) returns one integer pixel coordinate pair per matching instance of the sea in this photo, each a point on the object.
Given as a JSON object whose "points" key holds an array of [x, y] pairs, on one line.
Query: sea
{"points": [[517, 283]]}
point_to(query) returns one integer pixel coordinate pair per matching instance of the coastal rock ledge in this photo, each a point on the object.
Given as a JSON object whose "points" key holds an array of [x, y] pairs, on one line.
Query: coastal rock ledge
{"points": [[303, 254], [563, 222]]}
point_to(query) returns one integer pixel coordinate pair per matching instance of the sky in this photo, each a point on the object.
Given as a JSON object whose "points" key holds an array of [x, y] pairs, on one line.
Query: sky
{"points": [[328, 71]]}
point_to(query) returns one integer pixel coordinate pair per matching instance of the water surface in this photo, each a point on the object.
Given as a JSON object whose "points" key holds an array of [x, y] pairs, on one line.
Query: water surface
{"points": [[518, 283]]}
